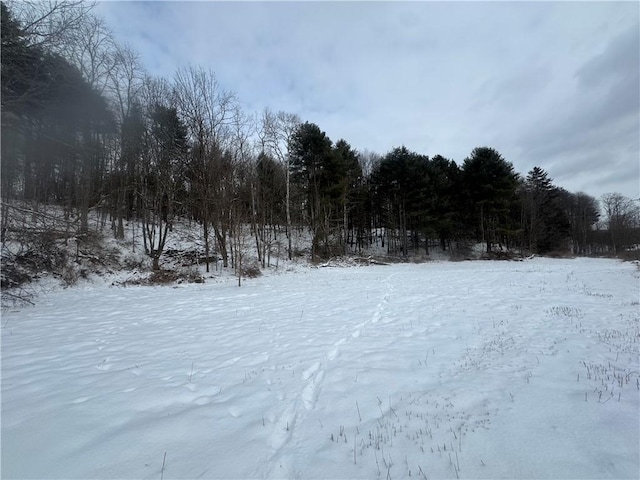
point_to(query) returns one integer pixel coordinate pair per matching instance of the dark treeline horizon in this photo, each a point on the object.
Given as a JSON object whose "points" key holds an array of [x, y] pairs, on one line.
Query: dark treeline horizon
{"points": [[85, 128]]}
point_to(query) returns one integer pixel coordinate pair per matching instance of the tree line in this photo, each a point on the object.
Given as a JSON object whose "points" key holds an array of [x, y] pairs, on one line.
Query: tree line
{"points": [[85, 127]]}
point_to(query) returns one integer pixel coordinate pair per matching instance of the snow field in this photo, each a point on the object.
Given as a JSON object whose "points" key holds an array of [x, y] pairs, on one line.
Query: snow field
{"points": [[438, 370]]}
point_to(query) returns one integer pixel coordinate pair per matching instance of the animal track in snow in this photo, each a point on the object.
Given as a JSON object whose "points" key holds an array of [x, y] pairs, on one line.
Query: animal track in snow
{"points": [[310, 371], [282, 431], [312, 377], [377, 315], [333, 353], [310, 392]]}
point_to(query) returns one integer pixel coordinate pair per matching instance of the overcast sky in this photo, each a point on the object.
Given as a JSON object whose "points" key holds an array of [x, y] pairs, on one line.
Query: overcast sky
{"points": [[555, 85]]}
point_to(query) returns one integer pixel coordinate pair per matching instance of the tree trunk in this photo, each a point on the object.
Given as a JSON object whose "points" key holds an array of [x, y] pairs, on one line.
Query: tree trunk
{"points": [[205, 234], [288, 209]]}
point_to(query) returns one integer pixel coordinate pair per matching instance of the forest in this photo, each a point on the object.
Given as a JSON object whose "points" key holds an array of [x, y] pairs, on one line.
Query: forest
{"points": [[87, 130]]}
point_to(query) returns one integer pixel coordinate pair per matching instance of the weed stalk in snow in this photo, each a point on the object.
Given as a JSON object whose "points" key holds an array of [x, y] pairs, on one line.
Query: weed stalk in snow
{"points": [[354, 450], [164, 459]]}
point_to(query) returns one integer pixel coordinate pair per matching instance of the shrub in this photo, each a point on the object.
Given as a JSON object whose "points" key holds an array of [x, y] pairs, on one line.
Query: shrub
{"points": [[251, 271]]}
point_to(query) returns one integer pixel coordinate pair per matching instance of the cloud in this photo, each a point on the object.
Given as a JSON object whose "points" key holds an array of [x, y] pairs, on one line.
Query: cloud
{"points": [[553, 84], [619, 60], [596, 129]]}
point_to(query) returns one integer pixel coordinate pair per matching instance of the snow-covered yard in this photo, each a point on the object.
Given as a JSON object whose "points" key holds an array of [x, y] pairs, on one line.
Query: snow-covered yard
{"points": [[437, 370]]}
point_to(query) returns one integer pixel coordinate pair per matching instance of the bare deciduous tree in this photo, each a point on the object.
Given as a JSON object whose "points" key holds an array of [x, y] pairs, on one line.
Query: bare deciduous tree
{"points": [[92, 48], [49, 23], [126, 80], [622, 216], [208, 112], [165, 148], [277, 131]]}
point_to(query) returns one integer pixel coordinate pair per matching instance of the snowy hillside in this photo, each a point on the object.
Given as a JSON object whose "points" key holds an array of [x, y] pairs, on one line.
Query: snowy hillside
{"points": [[438, 370]]}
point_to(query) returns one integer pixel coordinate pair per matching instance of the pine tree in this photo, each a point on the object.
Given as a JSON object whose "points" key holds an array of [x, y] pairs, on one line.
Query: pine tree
{"points": [[489, 185], [547, 225], [321, 173]]}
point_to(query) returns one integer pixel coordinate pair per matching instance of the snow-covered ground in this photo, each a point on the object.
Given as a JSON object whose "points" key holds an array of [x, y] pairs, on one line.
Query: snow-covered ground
{"points": [[437, 370]]}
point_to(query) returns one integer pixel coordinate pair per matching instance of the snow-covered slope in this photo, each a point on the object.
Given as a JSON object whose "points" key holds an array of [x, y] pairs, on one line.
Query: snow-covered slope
{"points": [[438, 370]]}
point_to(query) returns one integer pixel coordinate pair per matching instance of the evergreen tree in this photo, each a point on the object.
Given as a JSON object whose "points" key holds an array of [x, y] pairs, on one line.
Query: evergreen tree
{"points": [[442, 201], [400, 189], [54, 125], [321, 173], [489, 185], [547, 226], [349, 187]]}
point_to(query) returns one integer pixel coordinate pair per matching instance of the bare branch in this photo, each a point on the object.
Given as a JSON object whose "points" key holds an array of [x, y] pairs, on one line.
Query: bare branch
{"points": [[48, 23]]}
